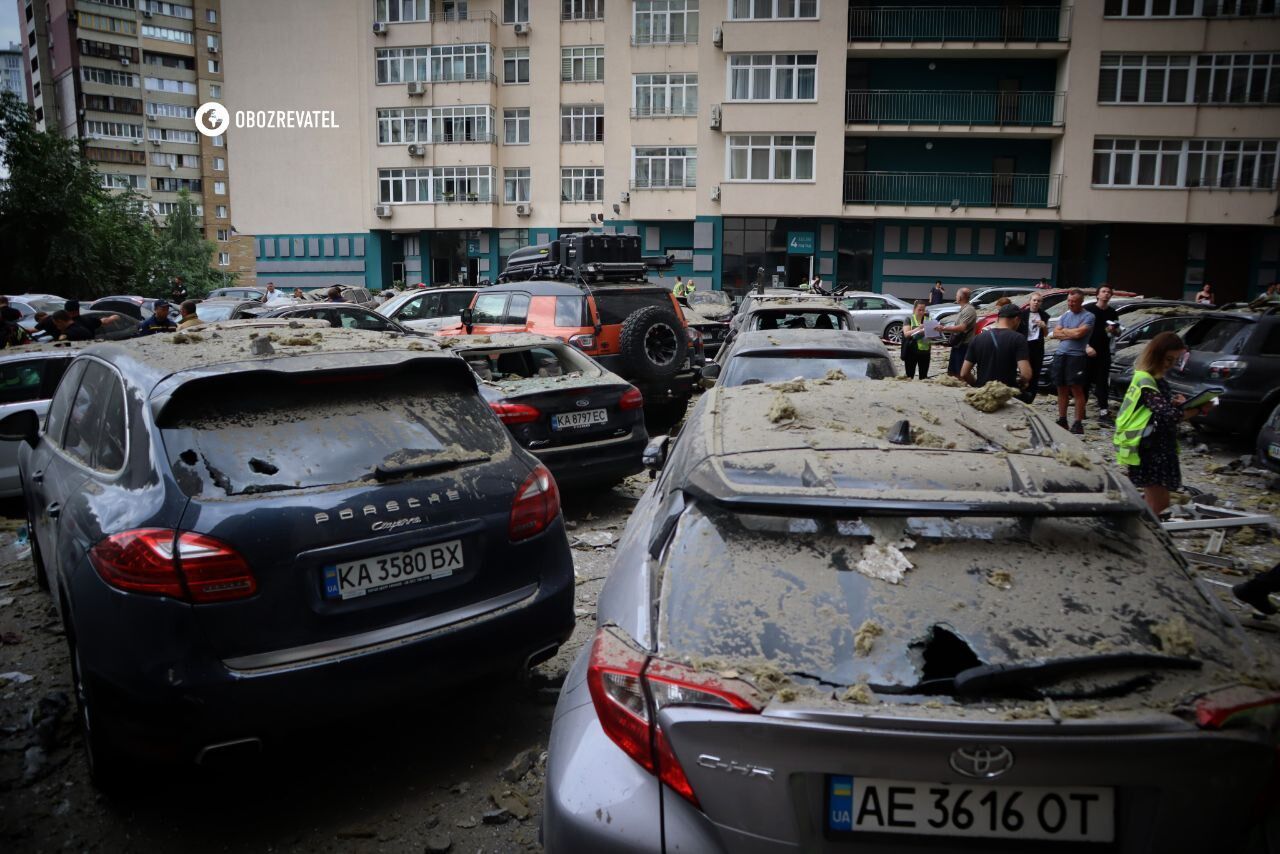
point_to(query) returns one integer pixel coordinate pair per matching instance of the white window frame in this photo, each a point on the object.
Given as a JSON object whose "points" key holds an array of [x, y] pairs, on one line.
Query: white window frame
{"points": [[401, 11], [1212, 79], [664, 167], [167, 34], [1194, 163], [582, 64], [774, 71], [173, 10], [220, 211], [393, 66], [164, 84], [219, 188], [664, 90], [581, 184], [122, 181], [515, 11], [162, 109], [515, 59], [581, 123], [223, 235], [773, 10], [664, 22], [1162, 9], [215, 90], [515, 126], [110, 77], [517, 184], [459, 181], [403, 125], [783, 152], [95, 129], [224, 259], [582, 10], [475, 61], [472, 123], [220, 164], [174, 135]]}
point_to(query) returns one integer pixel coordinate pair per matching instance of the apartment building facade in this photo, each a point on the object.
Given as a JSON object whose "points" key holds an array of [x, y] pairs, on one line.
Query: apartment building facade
{"points": [[125, 77], [881, 144], [12, 79]]}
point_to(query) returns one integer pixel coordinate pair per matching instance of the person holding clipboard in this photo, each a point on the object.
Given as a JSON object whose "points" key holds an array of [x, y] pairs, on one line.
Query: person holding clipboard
{"points": [[1146, 437]]}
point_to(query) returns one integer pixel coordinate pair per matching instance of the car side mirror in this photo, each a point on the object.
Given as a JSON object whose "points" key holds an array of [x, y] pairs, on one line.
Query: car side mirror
{"points": [[468, 319], [711, 372], [23, 426], [654, 457]]}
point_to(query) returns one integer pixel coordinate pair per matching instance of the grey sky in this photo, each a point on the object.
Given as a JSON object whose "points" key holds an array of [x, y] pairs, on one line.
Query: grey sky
{"points": [[8, 22]]}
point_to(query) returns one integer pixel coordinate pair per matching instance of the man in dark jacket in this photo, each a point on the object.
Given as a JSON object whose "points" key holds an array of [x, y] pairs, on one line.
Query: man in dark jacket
{"points": [[66, 329], [159, 321], [1106, 322]]}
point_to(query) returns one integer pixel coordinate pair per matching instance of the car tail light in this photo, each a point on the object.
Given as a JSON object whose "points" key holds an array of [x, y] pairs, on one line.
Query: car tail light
{"points": [[1239, 707], [1226, 369], [583, 342], [514, 413], [200, 570], [628, 689], [536, 506], [631, 399]]}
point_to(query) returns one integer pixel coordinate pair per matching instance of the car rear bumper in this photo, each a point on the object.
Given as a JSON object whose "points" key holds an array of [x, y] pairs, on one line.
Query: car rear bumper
{"points": [[607, 459], [1235, 413], [169, 695]]}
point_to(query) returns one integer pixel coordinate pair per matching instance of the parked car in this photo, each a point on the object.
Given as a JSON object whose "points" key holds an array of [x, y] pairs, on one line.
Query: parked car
{"points": [[359, 296], [283, 544], [583, 422], [712, 329], [340, 316], [981, 299], [28, 376], [711, 304], [865, 632], [213, 310], [789, 311], [1050, 300], [113, 326], [1130, 343], [766, 357], [139, 308], [428, 309], [29, 304], [1237, 353], [1268, 444], [240, 293], [880, 314]]}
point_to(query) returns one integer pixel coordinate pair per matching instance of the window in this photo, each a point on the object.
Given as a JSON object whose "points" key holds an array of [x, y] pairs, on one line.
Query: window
{"points": [[582, 64], [113, 104], [112, 130], [224, 234], [1204, 79], [215, 67], [1244, 164], [404, 125], [462, 183], [515, 185], [402, 64], [219, 188], [665, 95], [1237, 78], [117, 181], [509, 240], [459, 62], [220, 211], [211, 16], [84, 420], [168, 60], [119, 4], [583, 123], [115, 155], [490, 308], [219, 141], [219, 164], [454, 10], [170, 111], [582, 184], [763, 10], [771, 158], [109, 77], [402, 11], [215, 90], [173, 161], [773, 77], [581, 10], [167, 34], [108, 24], [60, 407], [186, 137], [211, 42], [175, 185], [1188, 8], [462, 124], [515, 126], [224, 259], [515, 65], [515, 11], [664, 168], [1015, 243], [160, 84], [30, 379], [103, 50], [173, 10], [665, 22]]}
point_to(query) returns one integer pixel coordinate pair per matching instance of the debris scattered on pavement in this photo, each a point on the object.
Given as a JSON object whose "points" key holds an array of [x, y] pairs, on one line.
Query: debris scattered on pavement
{"points": [[991, 397], [593, 540]]}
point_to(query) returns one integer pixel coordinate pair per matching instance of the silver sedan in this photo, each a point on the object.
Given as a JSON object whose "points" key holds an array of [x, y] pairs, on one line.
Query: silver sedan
{"points": [[879, 314]]}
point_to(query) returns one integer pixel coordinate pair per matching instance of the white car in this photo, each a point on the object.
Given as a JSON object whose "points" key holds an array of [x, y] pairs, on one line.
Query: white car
{"points": [[428, 309], [982, 299], [879, 314]]}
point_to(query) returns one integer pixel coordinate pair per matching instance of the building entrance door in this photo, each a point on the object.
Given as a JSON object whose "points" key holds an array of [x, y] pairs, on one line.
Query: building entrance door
{"points": [[797, 270]]}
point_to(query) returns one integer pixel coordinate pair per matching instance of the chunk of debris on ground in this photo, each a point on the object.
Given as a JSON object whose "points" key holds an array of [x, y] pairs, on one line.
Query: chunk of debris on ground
{"points": [[991, 397], [835, 374], [1072, 457], [782, 409], [947, 380], [792, 385], [864, 639], [1000, 578], [593, 540], [860, 694], [884, 562], [1175, 637]]}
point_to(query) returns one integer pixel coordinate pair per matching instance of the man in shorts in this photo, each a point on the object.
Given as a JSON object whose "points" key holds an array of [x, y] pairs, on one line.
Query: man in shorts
{"points": [[1071, 362], [961, 330]]}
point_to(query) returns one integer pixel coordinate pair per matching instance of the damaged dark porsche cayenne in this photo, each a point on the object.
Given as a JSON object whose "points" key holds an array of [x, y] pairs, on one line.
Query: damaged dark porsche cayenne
{"points": [[291, 531]]}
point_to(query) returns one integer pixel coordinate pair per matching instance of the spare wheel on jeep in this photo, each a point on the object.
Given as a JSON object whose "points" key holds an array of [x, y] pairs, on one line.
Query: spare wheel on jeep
{"points": [[652, 342]]}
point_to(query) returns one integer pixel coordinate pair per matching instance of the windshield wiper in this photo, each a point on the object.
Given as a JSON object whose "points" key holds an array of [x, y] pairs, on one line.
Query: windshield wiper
{"points": [[425, 465], [1001, 677]]}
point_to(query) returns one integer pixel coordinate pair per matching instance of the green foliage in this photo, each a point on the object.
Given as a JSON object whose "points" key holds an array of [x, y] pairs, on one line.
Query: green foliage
{"points": [[184, 252]]}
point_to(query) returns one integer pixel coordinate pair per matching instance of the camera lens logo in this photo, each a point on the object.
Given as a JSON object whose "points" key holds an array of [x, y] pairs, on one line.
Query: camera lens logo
{"points": [[212, 119]]}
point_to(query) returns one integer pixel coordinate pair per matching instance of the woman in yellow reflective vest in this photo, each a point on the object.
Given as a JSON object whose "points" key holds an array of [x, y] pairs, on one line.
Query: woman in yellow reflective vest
{"points": [[1146, 437]]}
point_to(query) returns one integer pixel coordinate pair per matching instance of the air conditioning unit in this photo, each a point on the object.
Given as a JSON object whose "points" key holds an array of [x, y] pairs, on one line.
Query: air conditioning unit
{"points": [[524, 210], [715, 117], [417, 151], [624, 197], [137, 142], [417, 88], [382, 211], [151, 119], [146, 13], [715, 192], [379, 28], [213, 48], [124, 60], [521, 29], [717, 37], [156, 143]]}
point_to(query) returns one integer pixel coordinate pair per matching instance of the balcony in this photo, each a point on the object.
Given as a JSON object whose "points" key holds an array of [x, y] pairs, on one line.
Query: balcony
{"points": [[465, 137], [664, 182], [661, 39], [954, 107], [910, 23], [953, 189]]}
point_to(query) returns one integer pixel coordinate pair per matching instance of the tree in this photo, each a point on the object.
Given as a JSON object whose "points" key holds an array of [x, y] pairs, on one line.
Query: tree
{"points": [[60, 230], [184, 252]]}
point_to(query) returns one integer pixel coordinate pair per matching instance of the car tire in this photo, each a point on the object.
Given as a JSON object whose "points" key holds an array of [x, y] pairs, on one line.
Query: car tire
{"points": [[653, 343], [109, 769], [37, 559], [893, 333]]}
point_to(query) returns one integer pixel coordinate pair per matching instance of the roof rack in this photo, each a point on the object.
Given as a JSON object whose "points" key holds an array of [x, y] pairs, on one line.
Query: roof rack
{"points": [[584, 258]]}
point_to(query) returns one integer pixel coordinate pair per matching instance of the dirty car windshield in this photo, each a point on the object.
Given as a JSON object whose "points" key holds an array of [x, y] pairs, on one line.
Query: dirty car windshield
{"points": [[799, 320], [768, 368], [263, 433]]}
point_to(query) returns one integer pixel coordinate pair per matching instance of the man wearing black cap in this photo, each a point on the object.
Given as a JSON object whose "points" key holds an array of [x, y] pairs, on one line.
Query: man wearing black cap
{"points": [[159, 321], [66, 329], [1000, 353]]}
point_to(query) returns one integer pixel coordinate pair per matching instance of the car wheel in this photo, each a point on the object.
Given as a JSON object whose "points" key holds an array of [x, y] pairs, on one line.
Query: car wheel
{"points": [[107, 766], [893, 333], [37, 560], [653, 342]]}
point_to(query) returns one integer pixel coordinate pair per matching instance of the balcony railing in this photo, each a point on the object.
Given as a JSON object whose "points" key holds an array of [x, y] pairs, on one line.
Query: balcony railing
{"points": [[466, 77], [465, 199], [955, 189], [573, 139], [460, 138], [663, 112], [642, 39], [458, 15], [958, 23], [937, 107], [689, 182]]}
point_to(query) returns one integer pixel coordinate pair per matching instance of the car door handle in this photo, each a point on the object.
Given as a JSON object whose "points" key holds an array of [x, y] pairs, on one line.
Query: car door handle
{"points": [[37, 477], [53, 510]]}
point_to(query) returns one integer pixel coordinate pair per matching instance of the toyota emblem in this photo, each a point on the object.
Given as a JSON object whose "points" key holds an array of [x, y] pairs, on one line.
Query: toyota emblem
{"points": [[983, 761], [582, 403]]}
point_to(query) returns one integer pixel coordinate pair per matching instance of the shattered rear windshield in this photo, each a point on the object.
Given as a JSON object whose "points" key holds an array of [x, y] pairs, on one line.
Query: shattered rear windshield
{"points": [[265, 433], [528, 363], [785, 319]]}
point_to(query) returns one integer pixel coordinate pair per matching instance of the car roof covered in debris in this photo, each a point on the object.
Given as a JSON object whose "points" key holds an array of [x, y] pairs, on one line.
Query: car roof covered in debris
{"points": [[762, 341], [497, 341]]}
